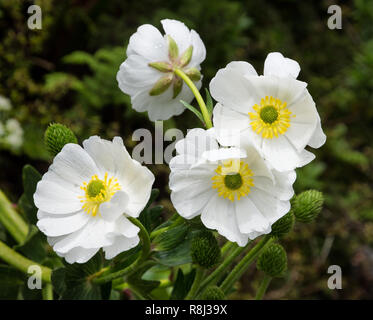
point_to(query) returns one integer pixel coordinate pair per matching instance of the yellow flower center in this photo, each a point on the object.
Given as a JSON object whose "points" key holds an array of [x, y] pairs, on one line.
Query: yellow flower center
{"points": [[233, 179], [97, 191], [271, 118]]}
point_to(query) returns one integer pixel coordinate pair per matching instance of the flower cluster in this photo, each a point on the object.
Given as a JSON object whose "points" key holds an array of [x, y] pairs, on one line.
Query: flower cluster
{"points": [[237, 175], [11, 132]]}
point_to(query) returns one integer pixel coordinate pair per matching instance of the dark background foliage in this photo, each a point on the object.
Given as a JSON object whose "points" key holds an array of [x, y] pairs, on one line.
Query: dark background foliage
{"points": [[66, 73]]}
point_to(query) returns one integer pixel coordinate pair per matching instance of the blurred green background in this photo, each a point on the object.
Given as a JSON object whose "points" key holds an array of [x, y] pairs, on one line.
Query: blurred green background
{"points": [[66, 73]]}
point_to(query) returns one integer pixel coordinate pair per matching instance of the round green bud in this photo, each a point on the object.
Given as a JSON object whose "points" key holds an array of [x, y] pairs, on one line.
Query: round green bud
{"points": [[283, 225], [307, 205], [213, 293], [205, 249], [56, 136], [273, 261]]}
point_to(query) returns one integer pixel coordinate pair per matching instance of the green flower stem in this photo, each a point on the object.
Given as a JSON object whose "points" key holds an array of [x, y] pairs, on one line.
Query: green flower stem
{"points": [[201, 102], [218, 272], [11, 220], [179, 220], [227, 247], [47, 292], [196, 283], [241, 267], [263, 287], [133, 267], [21, 263]]}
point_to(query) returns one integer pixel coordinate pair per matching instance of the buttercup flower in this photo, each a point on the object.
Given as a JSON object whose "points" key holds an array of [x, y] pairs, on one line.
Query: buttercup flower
{"points": [[234, 190], [273, 112], [147, 73], [87, 195]]}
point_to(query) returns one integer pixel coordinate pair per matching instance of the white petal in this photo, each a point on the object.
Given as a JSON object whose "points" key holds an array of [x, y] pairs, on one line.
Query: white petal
{"points": [[126, 228], [220, 214], [93, 235], [318, 138], [199, 50], [74, 164], [191, 190], [270, 207], [242, 68], [57, 226], [277, 65], [282, 187], [120, 245], [149, 43], [250, 219], [179, 32], [224, 154], [113, 209], [53, 198], [135, 75], [280, 153], [233, 90], [230, 125], [79, 255], [196, 142]]}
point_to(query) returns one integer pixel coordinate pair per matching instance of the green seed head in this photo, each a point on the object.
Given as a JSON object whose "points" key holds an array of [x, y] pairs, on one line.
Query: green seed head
{"points": [[233, 181], [95, 187], [269, 114]]}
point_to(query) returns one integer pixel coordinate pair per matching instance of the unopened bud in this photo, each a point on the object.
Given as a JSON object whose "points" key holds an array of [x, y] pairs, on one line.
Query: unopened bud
{"points": [[307, 205], [213, 293], [273, 261], [283, 225], [56, 136], [205, 250]]}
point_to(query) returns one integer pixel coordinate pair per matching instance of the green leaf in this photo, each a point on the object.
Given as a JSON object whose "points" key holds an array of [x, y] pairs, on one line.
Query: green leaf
{"points": [[182, 285], [73, 281], [194, 110], [150, 217], [10, 282], [209, 103], [171, 238], [30, 178], [34, 247], [139, 284]]}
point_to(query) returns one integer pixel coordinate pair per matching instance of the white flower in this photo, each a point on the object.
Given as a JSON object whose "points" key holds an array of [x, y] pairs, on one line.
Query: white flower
{"points": [[86, 196], [147, 74], [5, 104], [233, 190], [274, 112]]}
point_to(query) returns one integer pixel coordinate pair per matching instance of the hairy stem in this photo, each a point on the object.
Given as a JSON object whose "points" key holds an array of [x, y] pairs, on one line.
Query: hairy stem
{"points": [[196, 283], [219, 271], [11, 220], [241, 267], [21, 263], [263, 287]]}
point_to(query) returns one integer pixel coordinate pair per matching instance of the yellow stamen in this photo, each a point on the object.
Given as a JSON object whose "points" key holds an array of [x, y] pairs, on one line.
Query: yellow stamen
{"points": [[96, 192], [271, 118], [233, 179]]}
